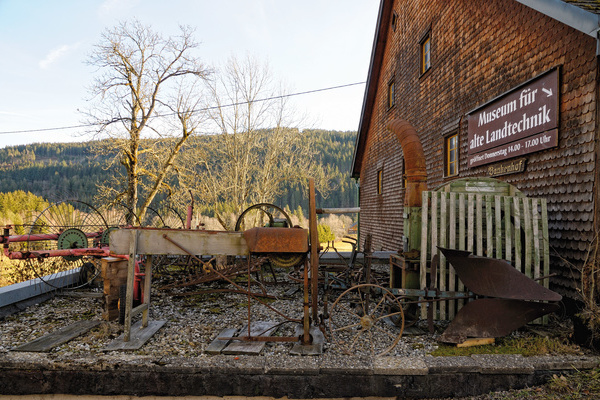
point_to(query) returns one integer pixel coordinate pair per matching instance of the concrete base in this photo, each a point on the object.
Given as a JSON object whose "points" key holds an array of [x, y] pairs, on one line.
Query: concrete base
{"points": [[294, 377], [23, 291]]}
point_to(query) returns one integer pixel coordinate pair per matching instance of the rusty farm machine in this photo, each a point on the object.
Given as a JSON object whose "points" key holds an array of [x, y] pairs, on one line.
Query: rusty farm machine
{"points": [[67, 241]]}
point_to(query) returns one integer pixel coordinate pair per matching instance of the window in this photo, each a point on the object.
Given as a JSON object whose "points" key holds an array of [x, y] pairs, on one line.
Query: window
{"points": [[452, 155], [425, 54], [380, 181], [391, 90], [403, 174], [394, 21]]}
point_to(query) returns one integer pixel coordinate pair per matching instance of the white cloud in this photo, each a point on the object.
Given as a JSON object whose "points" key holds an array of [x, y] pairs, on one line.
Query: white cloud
{"points": [[56, 54]]}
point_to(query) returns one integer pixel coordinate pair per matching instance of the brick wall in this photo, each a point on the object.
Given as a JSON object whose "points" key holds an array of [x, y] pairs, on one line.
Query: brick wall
{"points": [[481, 49]]}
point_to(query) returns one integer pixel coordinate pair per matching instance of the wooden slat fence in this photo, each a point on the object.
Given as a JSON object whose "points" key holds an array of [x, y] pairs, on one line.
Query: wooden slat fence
{"points": [[513, 228]]}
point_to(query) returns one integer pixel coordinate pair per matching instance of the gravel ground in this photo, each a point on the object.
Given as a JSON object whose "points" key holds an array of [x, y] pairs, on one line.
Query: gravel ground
{"points": [[193, 321]]}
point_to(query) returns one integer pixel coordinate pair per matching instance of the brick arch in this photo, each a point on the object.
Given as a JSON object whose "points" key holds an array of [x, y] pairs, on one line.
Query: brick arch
{"points": [[415, 168]]}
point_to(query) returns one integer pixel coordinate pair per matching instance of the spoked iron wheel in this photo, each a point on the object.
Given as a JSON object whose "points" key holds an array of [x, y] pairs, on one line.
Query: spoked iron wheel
{"points": [[172, 218], [269, 215], [261, 215], [119, 215], [168, 218], [66, 225], [153, 219], [359, 320], [116, 216]]}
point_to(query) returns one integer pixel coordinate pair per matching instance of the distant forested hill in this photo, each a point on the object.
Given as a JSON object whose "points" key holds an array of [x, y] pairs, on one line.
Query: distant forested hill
{"points": [[58, 171], [55, 171]]}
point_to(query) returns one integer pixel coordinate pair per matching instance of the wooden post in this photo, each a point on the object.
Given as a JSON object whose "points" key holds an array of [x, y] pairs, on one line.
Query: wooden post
{"points": [[306, 321], [147, 283], [114, 274], [314, 250], [130, 279]]}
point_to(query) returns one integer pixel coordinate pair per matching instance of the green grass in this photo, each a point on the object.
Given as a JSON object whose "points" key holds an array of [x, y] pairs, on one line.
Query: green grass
{"points": [[575, 386], [527, 346]]}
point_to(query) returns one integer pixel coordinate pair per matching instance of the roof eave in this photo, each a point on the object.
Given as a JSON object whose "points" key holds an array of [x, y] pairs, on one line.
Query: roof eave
{"points": [[569, 14]]}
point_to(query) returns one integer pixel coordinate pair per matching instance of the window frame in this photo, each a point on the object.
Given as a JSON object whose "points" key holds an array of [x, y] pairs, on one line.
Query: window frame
{"points": [[448, 151], [394, 22], [425, 53], [391, 93], [403, 173]]}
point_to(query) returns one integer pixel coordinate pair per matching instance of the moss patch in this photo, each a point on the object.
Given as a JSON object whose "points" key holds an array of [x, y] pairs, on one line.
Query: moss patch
{"points": [[527, 346]]}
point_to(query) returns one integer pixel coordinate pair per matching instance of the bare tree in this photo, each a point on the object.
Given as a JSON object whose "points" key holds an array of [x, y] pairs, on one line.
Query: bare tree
{"points": [[256, 150], [145, 101]]}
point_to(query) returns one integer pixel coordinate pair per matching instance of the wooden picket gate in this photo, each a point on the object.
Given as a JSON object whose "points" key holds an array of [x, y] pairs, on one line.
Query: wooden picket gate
{"points": [[489, 218]]}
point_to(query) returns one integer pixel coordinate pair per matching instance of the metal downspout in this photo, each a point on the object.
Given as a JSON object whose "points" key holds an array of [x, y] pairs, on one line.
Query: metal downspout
{"points": [[415, 171], [597, 151]]}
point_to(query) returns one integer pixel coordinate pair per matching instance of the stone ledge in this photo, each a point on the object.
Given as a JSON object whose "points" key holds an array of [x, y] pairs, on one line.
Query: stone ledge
{"points": [[348, 365], [400, 366], [292, 366], [294, 377], [566, 362], [228, 364], [441, 365], [503, 364]]}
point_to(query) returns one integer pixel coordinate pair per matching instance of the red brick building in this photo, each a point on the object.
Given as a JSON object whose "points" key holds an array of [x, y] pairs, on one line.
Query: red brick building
{"points": [[450, 70]]}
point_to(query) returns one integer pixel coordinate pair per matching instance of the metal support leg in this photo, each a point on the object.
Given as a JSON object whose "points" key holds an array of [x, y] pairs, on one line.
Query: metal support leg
{"points": [[130, 278], [147, 284]]}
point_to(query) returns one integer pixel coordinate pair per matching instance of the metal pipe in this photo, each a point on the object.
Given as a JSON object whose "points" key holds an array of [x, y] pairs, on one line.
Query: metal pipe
{"points": [[338, 210], [91, 252], [190, 213], [41, 237]]}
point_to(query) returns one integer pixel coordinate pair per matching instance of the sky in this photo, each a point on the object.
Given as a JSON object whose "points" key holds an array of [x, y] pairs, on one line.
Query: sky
{"points": [[308, 44]]}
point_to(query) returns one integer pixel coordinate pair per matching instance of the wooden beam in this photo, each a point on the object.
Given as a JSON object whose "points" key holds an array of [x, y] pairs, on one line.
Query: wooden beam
{"points": [[139, 336], [476, 342], [56, 338], [152, 241]]}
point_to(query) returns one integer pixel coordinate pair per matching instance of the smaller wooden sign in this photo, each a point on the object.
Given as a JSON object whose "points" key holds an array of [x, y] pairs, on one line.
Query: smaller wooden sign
{"points": [[505, 168]]}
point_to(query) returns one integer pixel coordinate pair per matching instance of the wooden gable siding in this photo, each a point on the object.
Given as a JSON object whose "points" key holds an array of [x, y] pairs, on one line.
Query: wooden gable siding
{"points": [[481, 49]]}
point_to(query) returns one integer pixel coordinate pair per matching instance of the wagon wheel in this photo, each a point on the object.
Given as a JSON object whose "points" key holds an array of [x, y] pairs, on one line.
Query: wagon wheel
{"points": [[116, 215], [359, 320], [119, 215], [262, 214], [172, 218], [269, 215], [287, 260], [168, 217], [153, 219], [69, 225]]}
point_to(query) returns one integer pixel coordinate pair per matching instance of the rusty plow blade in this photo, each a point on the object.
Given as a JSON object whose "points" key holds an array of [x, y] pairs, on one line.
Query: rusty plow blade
{"points": [[496, 278], [514, 298], [491, 318]]}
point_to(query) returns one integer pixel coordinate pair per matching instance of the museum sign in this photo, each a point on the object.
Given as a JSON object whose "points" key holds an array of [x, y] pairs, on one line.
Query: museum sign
{"points": [[522, 121]]}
